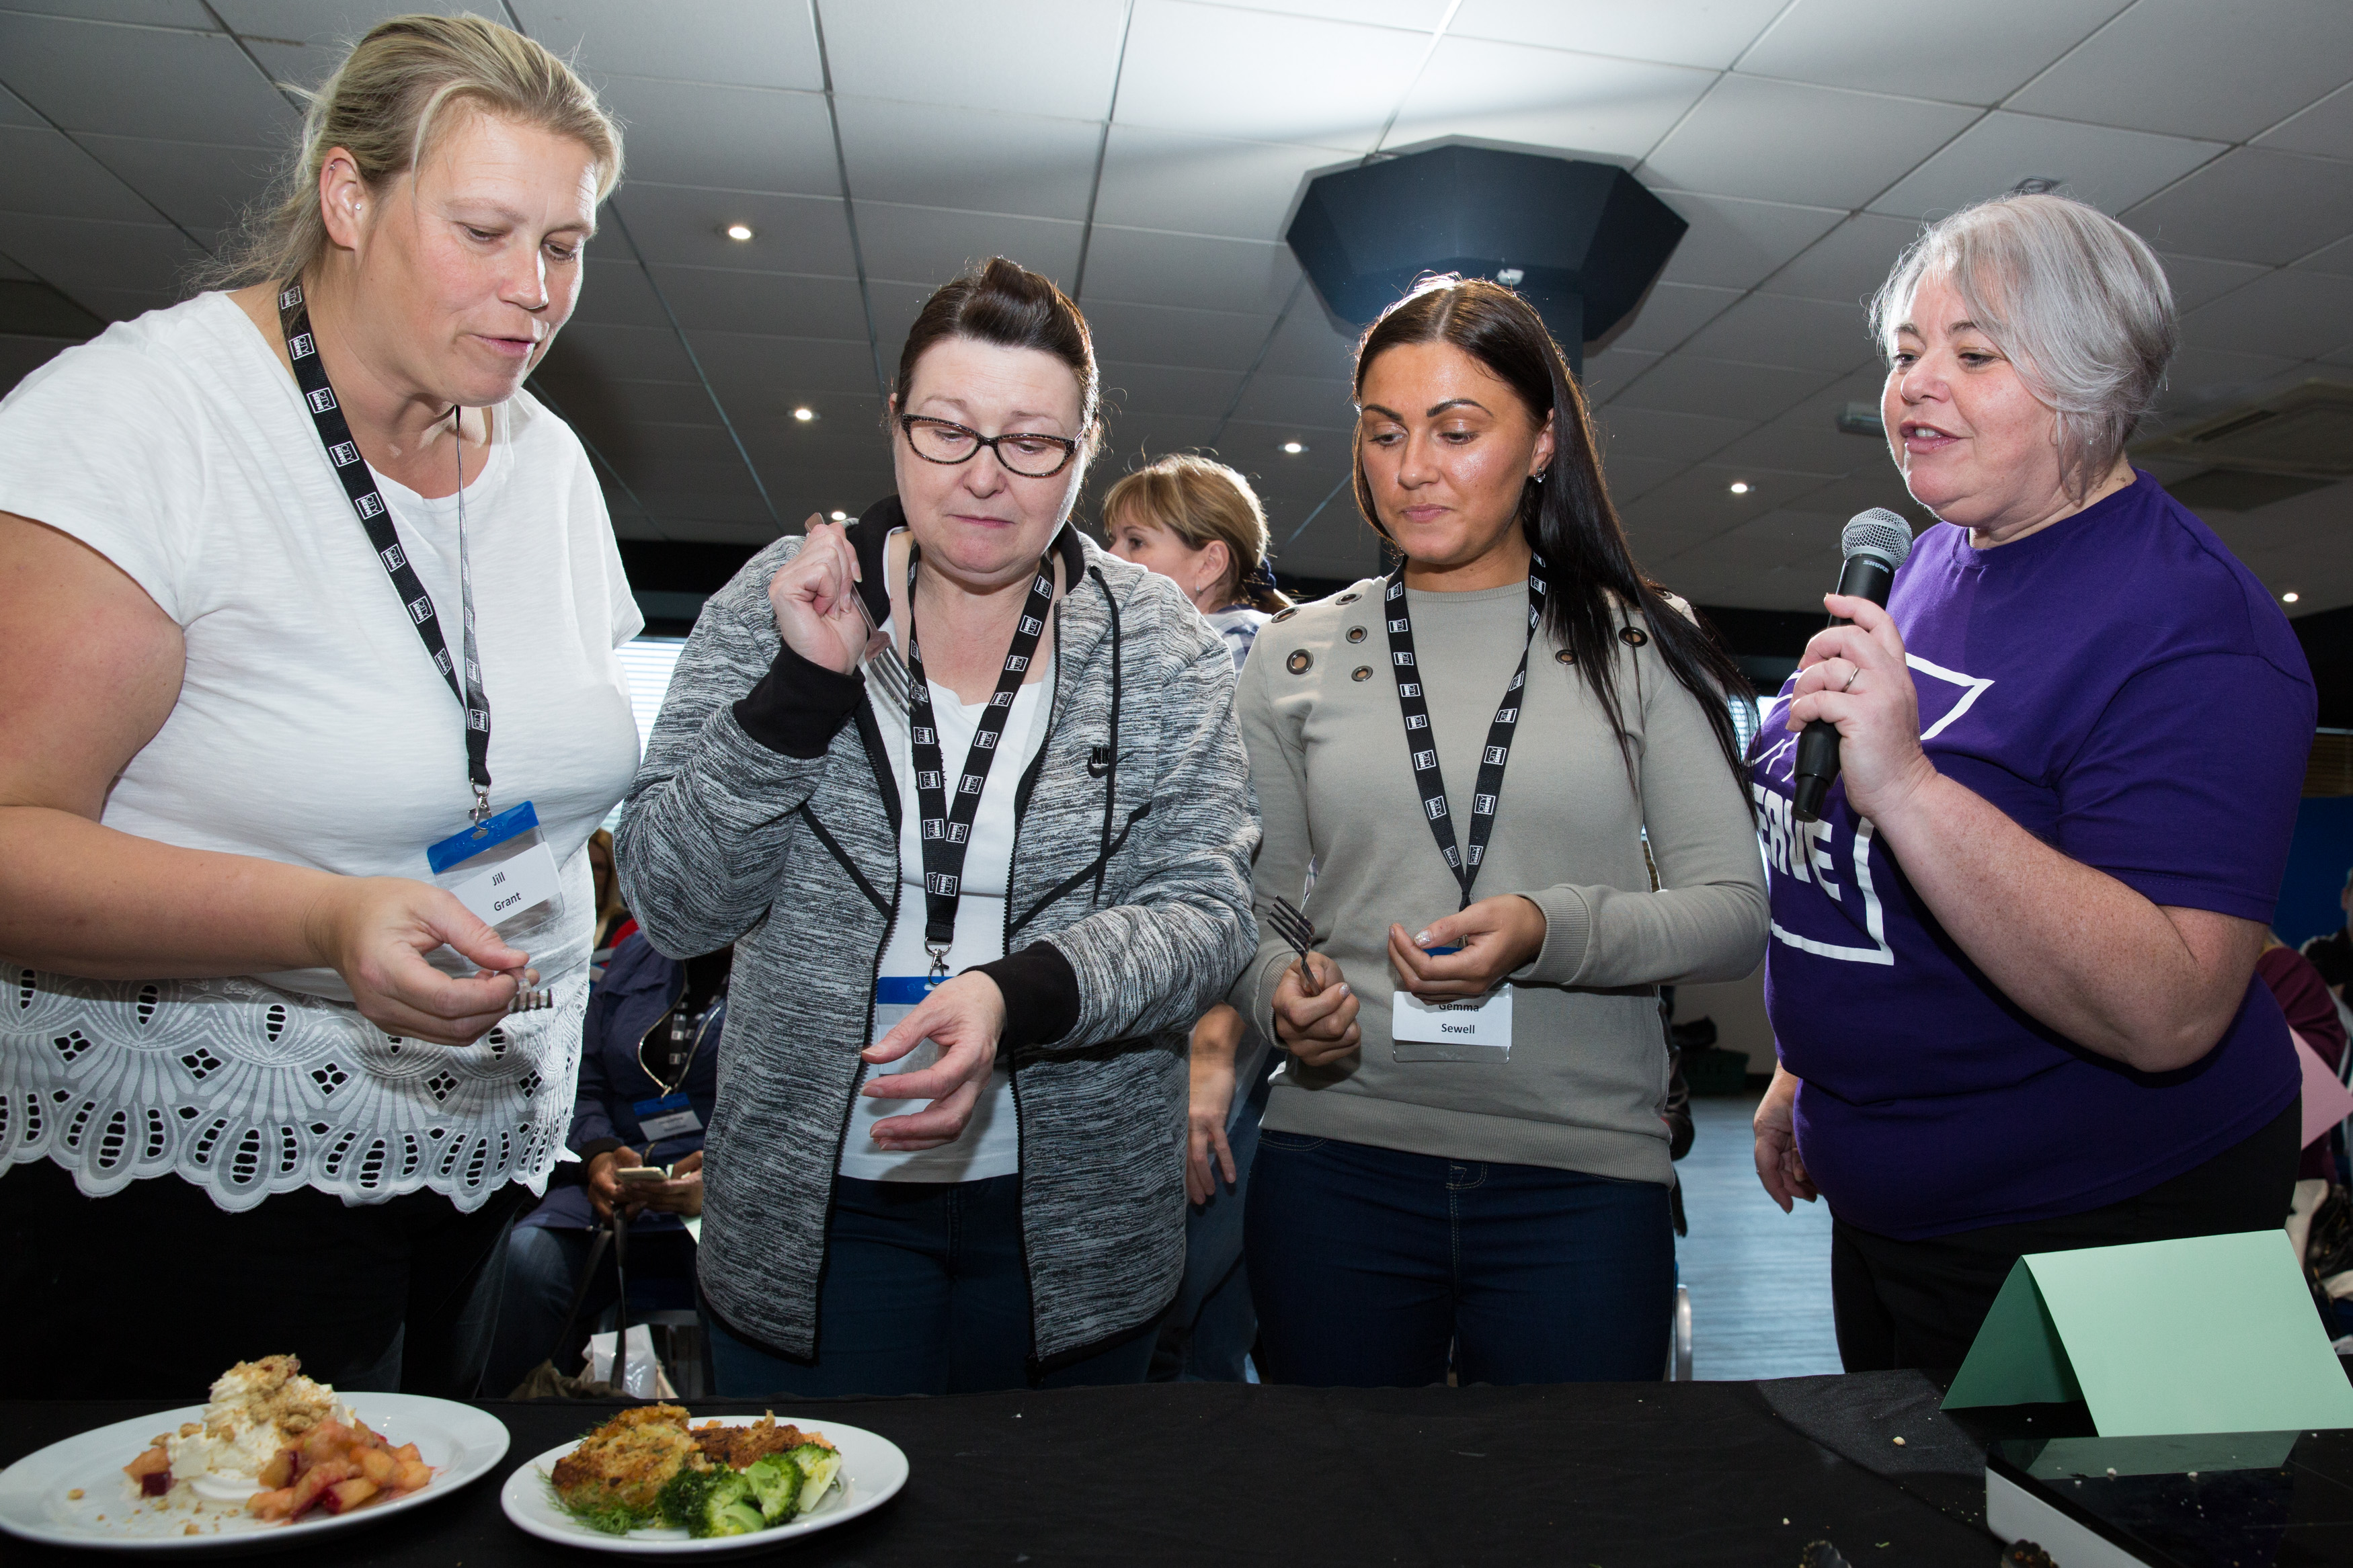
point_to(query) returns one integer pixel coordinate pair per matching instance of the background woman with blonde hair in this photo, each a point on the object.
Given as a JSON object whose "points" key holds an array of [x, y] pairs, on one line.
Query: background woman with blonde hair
{"points": [[303, 600], [1200, 523]]}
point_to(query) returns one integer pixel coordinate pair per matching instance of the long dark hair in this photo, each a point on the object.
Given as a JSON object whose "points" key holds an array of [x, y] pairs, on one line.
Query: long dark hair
{"points": [[1569, 519]]}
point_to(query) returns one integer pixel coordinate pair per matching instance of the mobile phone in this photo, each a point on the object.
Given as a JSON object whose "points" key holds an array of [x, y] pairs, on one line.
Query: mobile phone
{"points": [[642, 1173]]}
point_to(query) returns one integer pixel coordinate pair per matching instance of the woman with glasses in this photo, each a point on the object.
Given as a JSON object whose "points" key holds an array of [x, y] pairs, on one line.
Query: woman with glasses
{"points": [[1464, 1164], [966, 793]]}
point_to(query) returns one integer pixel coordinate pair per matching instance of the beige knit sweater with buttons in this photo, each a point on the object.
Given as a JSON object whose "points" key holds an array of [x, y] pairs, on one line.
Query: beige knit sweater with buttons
{"points": [[1588, 1071]]}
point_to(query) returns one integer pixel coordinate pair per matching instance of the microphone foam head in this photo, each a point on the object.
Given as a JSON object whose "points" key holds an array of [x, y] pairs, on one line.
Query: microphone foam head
{"points": [[1879, 532]]}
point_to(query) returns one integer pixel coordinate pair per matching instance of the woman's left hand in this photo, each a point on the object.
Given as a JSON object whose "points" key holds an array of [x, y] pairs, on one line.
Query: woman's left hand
{"points": [[964, 1017], [682, 1194], [1497, 935], [1854, 677]]}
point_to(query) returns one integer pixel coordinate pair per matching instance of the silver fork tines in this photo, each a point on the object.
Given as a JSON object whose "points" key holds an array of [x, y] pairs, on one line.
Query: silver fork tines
{"points": [[1291, 926], [531, 1001]]}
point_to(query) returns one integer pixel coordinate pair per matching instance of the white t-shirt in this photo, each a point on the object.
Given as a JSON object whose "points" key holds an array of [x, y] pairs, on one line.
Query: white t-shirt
{"points": [[991, 1142], [311, 728]]}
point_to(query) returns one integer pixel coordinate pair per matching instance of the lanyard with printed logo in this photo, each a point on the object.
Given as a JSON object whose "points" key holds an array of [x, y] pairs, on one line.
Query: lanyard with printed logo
{"points": [[947, 827], [359, 484], [1422, 744]]}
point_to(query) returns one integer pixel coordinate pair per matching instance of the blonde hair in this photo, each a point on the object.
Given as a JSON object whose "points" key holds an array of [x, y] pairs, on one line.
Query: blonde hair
{"points": [[383, 105], [2076, 301], [1199, 501]]}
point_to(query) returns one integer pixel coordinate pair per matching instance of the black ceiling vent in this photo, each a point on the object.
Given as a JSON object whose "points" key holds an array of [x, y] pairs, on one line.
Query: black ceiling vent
{"points": [[1581, 241]]}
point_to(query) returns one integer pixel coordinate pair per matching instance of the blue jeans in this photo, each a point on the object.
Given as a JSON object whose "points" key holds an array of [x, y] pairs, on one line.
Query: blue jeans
{"points": [[1369, 1264], [924, 1292], [1208, 1331], [543, 1264]]}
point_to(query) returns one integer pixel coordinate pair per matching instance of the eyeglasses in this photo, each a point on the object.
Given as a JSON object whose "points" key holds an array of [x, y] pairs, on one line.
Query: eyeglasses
{"points": [[1029, 453]]}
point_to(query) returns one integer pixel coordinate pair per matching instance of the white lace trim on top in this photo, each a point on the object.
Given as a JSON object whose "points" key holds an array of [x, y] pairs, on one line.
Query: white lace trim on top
{"points": [[247, 1091]]}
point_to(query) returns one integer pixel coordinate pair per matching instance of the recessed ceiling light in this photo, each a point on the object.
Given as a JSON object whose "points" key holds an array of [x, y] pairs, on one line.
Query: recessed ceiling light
{"points": [[842, 517], [2288, 598], [804, 415], [1294, 448], [1740, 487], [738, 231]]}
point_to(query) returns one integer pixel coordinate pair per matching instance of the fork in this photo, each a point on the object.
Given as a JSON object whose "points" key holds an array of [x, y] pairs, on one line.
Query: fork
{"points": [[531, 1000], [1294, 928]]}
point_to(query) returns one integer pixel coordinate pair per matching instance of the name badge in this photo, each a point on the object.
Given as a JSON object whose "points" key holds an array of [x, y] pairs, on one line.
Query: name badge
{"points": [[669, 1116], [500, 868], [1459, 1029], [895, 997], [513, 886]]}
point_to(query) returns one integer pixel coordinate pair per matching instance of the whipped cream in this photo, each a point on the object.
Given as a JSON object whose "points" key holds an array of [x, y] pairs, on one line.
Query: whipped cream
{"points": [[256, 1409]]}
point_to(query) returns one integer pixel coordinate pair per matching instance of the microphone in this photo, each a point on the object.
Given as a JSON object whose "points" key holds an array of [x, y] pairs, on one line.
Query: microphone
{"points": [[1875, 544]]}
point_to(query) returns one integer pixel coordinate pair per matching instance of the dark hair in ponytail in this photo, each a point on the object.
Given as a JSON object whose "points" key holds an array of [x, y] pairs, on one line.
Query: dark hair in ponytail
{"points": [[1004, 303], [1567, 519]]}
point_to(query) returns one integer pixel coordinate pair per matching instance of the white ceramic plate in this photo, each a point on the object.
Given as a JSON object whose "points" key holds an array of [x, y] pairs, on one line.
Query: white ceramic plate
{"points": [[872, 1471], [460, 1443]]}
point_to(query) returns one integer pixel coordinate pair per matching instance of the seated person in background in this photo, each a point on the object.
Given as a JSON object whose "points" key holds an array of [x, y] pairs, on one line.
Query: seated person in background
{"points": [[2311, 1012], [2332, 954], [648, 1076], [1200, 524], [614, 922]]}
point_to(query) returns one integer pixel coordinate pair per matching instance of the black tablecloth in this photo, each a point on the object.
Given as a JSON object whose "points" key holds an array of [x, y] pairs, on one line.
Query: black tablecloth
{"points": [[1609, 1475]]}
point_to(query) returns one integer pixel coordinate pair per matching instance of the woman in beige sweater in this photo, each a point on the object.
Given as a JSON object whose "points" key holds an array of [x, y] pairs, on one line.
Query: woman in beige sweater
{"points": [[1464, 1153]]}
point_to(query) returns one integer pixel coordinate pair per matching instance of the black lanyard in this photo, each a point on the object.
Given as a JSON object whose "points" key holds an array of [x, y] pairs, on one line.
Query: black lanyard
{"points": [[359, 484], [947, 829], [1422, 742]]}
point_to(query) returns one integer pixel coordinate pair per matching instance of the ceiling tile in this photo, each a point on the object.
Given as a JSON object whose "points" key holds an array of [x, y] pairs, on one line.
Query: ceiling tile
{"points": [[1767, 329], [1875, 484], [14, 273], [146, 13], [2338, 259], [615, 293], [1710, 36], [203, 189], [1666, 437], [1782, 141], [1151, 334], [78, 254], [732, 138], [790, 234], [2195, 279], [1298, 402], [1173, 180], [1157, 389], [1421, 14], [1311, 344], [896, 306], [116, 304], [623, 353], [300, 65], [2301, 315], [142, 81], [1257, 445], [1630, 478], [778, 304], [2198, 377], [1047, 56], [1848, 43], [2188, 67], [1606, 373], [926, 155], [1704, 497], [1805, 440], [1669, 313], [1686, 384], [1145, 267], [932, 245], [2251, 205], [744, 45], [778, 369], [1737, 244], [1222, 72], [14, 111], [1545, 98], [1139, 438], [335, 24], [593, 397], [2110, 169], [42, 171], [2324, 129], [1848, 264]]}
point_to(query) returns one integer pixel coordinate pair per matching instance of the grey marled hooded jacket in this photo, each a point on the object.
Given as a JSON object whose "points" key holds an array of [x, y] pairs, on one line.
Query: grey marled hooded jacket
{"points": [[766, 813]]}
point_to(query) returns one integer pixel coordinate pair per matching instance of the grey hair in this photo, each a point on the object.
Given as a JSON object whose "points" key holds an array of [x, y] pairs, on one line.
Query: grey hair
{"points": [[2072, 298]]}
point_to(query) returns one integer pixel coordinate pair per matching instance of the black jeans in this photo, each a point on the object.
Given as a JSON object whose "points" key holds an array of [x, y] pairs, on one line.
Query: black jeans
{"points": [[153, 1292], [1920, 1303]]}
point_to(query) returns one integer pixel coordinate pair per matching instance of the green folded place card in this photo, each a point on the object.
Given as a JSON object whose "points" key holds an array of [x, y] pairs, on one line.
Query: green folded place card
{"points": [[2210, 1333]]}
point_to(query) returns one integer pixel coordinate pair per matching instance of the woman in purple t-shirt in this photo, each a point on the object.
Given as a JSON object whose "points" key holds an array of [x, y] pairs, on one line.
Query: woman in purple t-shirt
{"points": [[2010, 979]]}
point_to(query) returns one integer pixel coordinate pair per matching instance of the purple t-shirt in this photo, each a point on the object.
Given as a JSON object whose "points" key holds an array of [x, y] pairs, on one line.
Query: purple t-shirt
{"points": [[2122, 689]]}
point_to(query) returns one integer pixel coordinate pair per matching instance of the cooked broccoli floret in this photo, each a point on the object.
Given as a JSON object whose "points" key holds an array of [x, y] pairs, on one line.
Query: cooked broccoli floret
{"points": [[682, 1499], [818, 1465], [775, 1482], [728, 1508]]}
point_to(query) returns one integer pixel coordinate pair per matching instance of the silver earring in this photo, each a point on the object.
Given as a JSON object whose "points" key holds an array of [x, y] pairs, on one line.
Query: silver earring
{"points": [[1537, 475]]}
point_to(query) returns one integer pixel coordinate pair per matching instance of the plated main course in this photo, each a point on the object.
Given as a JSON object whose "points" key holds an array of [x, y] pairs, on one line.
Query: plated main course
{"points": [[651, 1469]]}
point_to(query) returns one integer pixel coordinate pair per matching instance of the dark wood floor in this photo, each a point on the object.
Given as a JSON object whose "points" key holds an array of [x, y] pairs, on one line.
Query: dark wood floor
{"points": [[1759, 1279]]}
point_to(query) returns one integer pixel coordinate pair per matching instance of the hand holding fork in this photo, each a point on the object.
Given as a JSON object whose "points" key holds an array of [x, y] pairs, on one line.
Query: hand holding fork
{"points": [[1315, 1010]]}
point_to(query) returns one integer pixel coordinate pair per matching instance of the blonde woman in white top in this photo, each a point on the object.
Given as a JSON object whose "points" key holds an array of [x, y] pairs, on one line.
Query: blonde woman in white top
{"points": [[234, 721]]}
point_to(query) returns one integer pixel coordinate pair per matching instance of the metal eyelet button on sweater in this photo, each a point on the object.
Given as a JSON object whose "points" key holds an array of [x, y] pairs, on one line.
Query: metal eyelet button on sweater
{"points": [[1299, 661]]}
